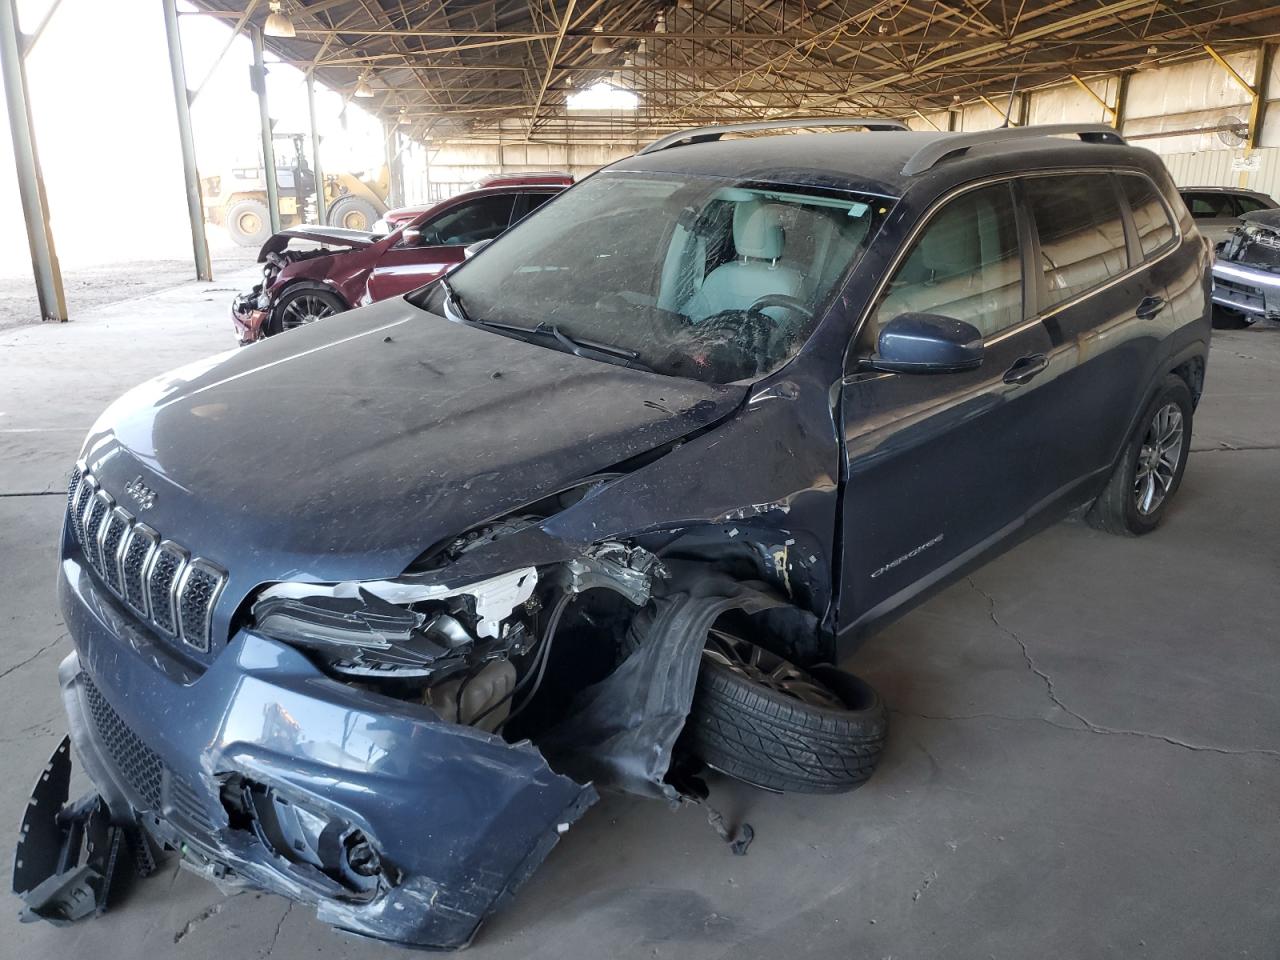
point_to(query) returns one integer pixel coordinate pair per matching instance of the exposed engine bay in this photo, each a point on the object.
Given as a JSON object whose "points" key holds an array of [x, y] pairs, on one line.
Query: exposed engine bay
{"points": [[1246, 272], [1254, 243]]}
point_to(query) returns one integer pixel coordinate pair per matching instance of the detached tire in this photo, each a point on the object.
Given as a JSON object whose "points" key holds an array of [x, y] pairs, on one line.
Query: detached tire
{"points": [[755, 732], [1151, 466]]}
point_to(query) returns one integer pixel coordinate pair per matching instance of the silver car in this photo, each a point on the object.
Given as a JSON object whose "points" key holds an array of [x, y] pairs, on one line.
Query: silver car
{"points": [[1217, 210]]}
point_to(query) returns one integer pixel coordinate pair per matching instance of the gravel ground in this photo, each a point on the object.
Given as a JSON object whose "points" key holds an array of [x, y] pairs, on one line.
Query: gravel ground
{"points": [[94, 285]]}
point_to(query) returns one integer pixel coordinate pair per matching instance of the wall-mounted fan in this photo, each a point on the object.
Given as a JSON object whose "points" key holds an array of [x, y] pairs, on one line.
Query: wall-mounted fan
{"points": [[1232, 131]]}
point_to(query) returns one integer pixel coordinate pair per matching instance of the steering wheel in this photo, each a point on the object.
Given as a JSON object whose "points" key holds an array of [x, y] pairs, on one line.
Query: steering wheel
{"points": [[781, 300]]}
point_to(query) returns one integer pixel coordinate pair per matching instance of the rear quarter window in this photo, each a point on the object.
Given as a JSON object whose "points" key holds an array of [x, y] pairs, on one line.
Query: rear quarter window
{"points": [[1081, 231], [1151, 216]]}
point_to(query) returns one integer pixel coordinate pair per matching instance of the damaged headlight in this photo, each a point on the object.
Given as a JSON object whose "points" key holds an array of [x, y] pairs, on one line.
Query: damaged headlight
{"points": [[398, 629]]}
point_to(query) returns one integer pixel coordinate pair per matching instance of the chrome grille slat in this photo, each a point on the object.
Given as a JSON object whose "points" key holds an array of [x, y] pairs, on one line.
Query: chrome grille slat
{"points": [[136, 555], [94, 516], [162, 584], [110, 543], [73, 488], [197, 592], [84, 500], [157, 579]]}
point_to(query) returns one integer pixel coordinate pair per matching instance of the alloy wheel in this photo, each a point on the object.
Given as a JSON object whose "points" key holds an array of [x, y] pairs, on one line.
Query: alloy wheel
{"points": [[306, 309], [766, 669], [1158, 459]]}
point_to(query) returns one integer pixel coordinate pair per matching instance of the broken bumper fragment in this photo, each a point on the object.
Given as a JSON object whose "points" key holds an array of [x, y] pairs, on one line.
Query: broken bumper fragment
{"points": [[264, 772], [248, 317]]}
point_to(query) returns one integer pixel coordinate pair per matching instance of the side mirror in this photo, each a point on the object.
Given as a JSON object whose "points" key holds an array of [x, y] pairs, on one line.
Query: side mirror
{"points": [[471, 250], [411, 236], [926, 343]]}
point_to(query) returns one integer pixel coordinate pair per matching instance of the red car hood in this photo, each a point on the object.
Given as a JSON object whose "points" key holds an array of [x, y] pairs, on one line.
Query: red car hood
{"points": [[355, 239]]}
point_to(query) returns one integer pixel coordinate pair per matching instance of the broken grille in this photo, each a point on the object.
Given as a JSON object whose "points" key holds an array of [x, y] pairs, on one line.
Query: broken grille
{"points": [[157, 579]]}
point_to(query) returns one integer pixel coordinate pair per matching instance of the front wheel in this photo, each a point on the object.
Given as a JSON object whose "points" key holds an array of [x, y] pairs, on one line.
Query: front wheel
{"points": [[761, 719], [301, 306], [1226, 319], [1151, 468]]}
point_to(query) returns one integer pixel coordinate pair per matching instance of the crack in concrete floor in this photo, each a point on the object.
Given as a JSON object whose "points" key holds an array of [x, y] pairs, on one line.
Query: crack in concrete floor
{"points": [[279, 926], [22, 663], [1086, 723]]}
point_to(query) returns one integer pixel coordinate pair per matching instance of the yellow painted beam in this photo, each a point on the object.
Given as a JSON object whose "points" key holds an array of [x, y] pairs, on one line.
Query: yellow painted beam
{"points": [[996, 109], [1231, 71], [1111, 111], [927, 120], [1255, 101]]}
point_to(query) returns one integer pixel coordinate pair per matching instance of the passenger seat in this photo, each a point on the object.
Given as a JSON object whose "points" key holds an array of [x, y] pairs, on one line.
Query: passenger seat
{"points": [[759, 239]]}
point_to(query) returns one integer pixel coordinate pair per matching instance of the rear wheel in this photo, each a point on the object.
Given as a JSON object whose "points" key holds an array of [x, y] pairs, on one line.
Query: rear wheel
{"points": [[353, 213], [249, 222], [1151, 468], [761, 719], [1226, 319], [303, 305]]}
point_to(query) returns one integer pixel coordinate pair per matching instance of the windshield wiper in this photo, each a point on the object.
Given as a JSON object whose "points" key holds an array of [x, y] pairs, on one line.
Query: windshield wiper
{"points": [[588, 349], [592, 349], [453, 300]]}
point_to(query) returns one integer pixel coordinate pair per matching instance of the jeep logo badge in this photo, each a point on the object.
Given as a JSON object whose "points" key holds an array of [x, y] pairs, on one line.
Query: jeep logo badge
{"points": [[141, 493]]}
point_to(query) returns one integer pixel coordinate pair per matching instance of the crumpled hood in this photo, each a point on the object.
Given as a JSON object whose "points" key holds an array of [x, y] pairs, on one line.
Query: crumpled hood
{"points": [[344, 449], [339, 236]]}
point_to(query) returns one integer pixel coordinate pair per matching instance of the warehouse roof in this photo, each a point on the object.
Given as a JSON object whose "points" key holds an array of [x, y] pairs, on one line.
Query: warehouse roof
{"points": [[453, 66]]}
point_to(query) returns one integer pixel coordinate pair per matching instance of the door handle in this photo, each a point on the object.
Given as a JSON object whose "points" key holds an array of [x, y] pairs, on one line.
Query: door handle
{"points": [[1026, 368], [1149, 307]]}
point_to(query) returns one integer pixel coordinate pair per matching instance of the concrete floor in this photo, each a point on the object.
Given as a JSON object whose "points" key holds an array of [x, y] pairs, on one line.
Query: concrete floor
{"points": [[1084, 759]]}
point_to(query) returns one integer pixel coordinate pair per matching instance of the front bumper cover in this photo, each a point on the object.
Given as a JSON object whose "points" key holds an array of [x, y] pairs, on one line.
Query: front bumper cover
{"points": [[457, 818], [1246, 289]]}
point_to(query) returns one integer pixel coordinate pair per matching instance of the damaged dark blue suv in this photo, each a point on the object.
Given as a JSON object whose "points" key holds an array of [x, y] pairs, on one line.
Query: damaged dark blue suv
{"points": [[604, 506]]}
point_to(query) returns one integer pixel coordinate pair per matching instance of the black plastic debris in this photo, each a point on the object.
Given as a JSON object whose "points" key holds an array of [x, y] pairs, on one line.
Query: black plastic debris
{"points": [[72, 861]]}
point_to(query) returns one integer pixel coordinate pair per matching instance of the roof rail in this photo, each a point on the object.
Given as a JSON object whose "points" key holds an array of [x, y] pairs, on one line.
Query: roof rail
{"points": [[707, 134], [931, 154]]}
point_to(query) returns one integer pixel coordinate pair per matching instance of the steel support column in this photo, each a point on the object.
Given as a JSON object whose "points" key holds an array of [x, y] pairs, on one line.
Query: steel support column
{"points": [[395, 164], [190, 174], [322, 208], [259, 76], [35, 207], [1122, 102]]}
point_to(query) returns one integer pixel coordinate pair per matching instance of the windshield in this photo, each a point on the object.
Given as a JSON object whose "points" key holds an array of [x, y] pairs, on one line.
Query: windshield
{"points": [[691, 276]]}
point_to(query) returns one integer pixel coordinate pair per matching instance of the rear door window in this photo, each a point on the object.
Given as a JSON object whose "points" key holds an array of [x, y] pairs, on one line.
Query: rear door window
{"points": [[1081, 231], [1250, 204], [966, 264], [1150, 215], [1207, 206]]}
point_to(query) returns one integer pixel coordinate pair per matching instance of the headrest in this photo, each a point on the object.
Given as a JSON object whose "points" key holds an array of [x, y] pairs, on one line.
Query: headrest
{"points": [[757, 230]]}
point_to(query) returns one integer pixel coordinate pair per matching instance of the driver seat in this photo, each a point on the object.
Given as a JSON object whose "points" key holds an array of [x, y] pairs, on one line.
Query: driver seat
{"points": [[759, 239]]}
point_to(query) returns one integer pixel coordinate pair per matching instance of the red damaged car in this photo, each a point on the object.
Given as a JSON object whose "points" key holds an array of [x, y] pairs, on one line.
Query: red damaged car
{"points": [[350, 268], [393, 219]]}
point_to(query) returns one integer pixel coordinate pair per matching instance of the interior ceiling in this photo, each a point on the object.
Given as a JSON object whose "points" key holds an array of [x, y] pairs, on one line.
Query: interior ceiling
{"points": [[458, 67]]}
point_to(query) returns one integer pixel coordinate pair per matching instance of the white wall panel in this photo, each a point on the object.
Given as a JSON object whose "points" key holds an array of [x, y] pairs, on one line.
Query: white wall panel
{"points": [[1069, 104], [1186, 96], [1212, 168]]}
